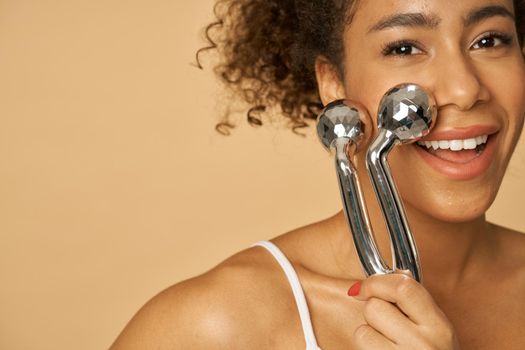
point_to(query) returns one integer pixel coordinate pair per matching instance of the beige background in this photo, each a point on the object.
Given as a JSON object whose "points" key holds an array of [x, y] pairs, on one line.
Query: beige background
{"points": [[113, 183]]}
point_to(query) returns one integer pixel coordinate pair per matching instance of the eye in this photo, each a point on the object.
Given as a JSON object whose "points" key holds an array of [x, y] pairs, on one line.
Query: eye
{"points": [[493, 40], [401, 48]]}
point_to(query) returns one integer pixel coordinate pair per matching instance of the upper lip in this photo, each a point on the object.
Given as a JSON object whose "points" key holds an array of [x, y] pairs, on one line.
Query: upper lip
{"points": [[460, 133]]}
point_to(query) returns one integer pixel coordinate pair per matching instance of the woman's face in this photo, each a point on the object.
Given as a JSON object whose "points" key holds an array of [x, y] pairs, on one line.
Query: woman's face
{"points": [[467, 55]]}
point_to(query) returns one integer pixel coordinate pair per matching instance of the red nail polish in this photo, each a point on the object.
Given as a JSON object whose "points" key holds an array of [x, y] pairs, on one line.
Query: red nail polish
{"points": [[354, 290]]}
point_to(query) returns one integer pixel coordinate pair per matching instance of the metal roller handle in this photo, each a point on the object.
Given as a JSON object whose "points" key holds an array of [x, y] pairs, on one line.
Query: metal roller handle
{"points": [[355, 211], [340, 130], [404, 250]]}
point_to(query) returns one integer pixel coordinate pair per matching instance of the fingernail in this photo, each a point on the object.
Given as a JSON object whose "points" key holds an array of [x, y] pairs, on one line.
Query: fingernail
{"points": [[354, 290]]}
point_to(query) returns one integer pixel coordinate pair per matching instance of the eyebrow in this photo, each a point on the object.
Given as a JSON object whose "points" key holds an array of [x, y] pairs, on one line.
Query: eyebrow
{"points": [[480, 14], [431, 21], [407, 20]]}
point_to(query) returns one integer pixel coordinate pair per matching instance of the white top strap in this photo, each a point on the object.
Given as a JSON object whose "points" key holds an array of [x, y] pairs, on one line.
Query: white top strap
{"points": [[300, 300]]}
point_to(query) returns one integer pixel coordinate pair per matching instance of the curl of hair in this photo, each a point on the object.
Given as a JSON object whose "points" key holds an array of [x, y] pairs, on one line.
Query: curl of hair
{"points": [[268, 50]]}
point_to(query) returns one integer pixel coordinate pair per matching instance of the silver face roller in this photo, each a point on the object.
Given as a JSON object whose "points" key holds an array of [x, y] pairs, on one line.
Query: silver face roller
{"points": [[406, 114], [339, 128]]}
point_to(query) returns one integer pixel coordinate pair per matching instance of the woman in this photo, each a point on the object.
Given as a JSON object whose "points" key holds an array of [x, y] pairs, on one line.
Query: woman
{"points": [[469, 55]]}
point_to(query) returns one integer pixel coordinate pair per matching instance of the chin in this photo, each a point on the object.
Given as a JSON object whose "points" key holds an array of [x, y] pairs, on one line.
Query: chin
{"points": [[434, 195], [451, 206]]}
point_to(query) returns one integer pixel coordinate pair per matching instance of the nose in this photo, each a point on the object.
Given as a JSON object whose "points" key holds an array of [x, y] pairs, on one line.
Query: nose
{"points": [[458, 83]]}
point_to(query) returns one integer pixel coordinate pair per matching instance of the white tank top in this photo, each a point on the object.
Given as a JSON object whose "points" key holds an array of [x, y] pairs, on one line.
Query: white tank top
{"points": [[300, 300]]}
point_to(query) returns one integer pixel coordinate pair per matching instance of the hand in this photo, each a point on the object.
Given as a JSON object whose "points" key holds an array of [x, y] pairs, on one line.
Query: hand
{"points": [[400, 314]]}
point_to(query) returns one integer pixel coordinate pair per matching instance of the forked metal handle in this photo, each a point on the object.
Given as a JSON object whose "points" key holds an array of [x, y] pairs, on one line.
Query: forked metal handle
{"points": [[406, 114]]}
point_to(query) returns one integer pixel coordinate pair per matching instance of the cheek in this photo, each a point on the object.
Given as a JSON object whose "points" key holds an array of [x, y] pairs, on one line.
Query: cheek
{"points": [[517, 97], [372, 80], [509, 92], [367, 88], [510, 85]]}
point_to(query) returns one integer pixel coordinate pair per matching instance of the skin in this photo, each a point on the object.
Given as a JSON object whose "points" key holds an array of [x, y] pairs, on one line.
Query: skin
{"points": [[474, 272]]}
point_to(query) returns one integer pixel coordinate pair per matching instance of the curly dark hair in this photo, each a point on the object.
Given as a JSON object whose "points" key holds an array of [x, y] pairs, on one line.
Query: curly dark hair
{"points": [[268, 50]]}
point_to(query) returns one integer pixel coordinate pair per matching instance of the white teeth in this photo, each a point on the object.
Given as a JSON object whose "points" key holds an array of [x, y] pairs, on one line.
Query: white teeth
{"points": [[455, 145], [470, 143], [444, 144]]}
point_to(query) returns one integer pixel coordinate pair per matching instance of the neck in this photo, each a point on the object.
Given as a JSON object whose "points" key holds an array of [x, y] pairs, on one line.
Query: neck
{"points": [[449, 252]]}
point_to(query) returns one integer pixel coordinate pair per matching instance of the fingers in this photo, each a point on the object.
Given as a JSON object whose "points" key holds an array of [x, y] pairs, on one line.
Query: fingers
{"points": [[408, 295], [400, 313], [366, 338], [388, 320]]}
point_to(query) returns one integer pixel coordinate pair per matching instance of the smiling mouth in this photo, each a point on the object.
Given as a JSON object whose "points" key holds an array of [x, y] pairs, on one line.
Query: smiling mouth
{"points": [[456, 151]]}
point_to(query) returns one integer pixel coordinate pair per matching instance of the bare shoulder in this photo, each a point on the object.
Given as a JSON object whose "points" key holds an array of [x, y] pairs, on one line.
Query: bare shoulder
{"points": [[234, 305], [513, 242], [512, 257]]}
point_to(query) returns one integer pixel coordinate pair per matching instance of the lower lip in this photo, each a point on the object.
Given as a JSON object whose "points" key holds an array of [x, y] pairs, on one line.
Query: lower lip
{"points": [[462, 171]]}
